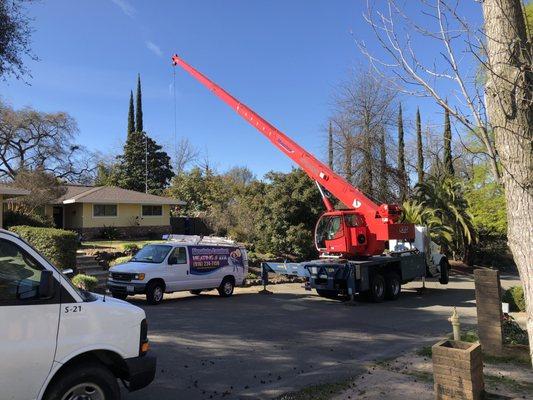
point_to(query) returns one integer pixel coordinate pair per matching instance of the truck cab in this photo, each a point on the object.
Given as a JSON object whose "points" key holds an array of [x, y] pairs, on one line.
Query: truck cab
{"points": [[182, 263], [59, 342]]}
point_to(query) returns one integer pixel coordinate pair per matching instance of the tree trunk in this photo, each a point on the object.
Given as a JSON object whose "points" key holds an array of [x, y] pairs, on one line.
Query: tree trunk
{"points": [[510, 109]]}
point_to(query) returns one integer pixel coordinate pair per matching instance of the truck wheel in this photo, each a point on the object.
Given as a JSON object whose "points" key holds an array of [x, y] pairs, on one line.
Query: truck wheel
{"points": [[393, 286], [377, 288], [444, 266], [226, 287], [89, 380], [154, 293], [120, 296], [195, 291], [328, 294]]}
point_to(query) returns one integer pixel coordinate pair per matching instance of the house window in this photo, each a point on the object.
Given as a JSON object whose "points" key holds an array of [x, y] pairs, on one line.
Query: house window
{"points": [[104, 210], [152, 211]]}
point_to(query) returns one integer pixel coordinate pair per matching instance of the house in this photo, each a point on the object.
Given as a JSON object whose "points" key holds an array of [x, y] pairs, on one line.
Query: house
{"points": [[88, 209], [7, 192]]}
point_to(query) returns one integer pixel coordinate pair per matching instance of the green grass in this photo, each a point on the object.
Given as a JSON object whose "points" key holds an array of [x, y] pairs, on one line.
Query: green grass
{"points": [[510, 383], [425, 352], [116, 244], [323, 391]]}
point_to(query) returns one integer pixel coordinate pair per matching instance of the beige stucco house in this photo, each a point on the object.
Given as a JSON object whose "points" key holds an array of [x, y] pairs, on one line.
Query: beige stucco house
{"points": [[88, 209], [7, 192]]}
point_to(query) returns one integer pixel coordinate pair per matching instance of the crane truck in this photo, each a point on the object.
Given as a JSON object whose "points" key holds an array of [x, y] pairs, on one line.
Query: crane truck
{"points": [[351, 240]]}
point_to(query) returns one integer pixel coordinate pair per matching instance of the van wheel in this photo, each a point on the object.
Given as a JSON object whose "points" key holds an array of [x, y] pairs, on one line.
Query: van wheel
{"points": [[377, 289], [226, 287], [120, 296], [195, 291], [444, 267], [154, 293], [393, 286], [89, 380]]}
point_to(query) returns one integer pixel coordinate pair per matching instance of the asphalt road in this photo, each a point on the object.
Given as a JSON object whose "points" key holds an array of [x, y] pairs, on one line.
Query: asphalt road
{"points": [[254, 346]]}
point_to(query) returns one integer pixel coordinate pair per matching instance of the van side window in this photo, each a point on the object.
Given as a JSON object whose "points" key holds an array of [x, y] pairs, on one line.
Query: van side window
{"points": [[179, 255], [20, 274]]}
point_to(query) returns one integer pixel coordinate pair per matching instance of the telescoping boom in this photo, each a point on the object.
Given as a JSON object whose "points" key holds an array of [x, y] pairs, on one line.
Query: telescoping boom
{"points": [[360, 230]]}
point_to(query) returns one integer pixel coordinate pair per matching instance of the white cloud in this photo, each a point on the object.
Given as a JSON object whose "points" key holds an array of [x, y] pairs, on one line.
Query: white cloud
{"points": [[154, 48], [126, 7]]}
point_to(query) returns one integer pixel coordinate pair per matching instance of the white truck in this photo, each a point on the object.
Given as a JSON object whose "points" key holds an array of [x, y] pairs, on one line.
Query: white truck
{"points": [[182, 263], [61, 343]]}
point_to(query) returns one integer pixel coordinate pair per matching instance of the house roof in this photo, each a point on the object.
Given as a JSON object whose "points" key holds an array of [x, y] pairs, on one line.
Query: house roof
{"points": [[111, 194], [12, 191]]}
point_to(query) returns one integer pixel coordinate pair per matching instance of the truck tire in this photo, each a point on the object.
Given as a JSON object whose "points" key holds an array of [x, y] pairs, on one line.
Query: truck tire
{"points": [[120, 296], [393, 286], [377, 288], [328, 294], [154, 292], [87, 380], [195, 291], [226, 287], [444, 266]]}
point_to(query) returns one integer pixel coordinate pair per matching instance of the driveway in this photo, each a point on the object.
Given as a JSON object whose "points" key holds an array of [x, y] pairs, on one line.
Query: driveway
{"points": [[254, 346]]}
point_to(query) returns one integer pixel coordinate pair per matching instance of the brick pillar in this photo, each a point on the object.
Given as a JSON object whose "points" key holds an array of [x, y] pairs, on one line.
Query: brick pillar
{"points": [[489, 310]]}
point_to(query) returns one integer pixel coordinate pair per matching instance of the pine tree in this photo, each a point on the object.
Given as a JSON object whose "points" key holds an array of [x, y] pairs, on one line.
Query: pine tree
{"points": [[330, 146], [448, 160], [383, 186], [420, 158], [139, 115], [131, 120], [402, 175]]}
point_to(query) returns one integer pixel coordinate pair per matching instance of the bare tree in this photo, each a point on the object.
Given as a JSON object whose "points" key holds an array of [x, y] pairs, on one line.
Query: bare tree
{"points": [[501, 116], [362, 120], [33, 140], [186, 154]]}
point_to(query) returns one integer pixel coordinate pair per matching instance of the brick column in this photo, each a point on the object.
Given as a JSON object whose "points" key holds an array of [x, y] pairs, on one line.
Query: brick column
{"points": [[489, 310]]}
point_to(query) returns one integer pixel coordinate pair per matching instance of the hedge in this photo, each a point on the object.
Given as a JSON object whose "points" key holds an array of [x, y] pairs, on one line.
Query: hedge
{"points": [[515, 297], [85, 282], [17, 218], [57, 245]]}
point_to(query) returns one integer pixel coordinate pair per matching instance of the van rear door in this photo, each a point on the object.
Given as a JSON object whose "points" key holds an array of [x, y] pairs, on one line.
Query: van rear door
{"points": [[29, 321]]}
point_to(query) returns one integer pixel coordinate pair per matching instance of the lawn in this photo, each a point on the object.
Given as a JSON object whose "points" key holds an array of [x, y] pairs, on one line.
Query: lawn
{"points": [[115, 244]]}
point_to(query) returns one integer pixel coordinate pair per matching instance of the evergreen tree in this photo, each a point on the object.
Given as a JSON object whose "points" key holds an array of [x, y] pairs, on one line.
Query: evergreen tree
{"points": [[143, 165], [420, 158], [383, 184], [139, 115], [402, 175], [448, 160], [330, 146], [131, 120]]}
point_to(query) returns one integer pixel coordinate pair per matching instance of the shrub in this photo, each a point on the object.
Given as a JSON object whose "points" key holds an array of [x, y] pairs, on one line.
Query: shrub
{"points": [[85, 282], [58, 245], [119, 260], [130, 248], [17, 218], [109, 233], [515, 297]]}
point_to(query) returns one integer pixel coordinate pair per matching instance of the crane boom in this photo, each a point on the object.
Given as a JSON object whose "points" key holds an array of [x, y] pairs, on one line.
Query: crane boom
{"points": [[350, 196], [364, 228]]}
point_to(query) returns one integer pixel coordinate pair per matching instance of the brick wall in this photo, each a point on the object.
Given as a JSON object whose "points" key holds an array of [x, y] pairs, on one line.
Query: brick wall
{"points": [[489, 310], [128, 232]]}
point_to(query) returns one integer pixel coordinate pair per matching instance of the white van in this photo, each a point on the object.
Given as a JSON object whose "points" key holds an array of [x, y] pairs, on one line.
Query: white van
{"points": [[182, 263], [58, 342]]}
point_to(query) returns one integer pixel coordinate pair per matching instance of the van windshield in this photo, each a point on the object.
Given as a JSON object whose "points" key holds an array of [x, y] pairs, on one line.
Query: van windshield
{"points": [[152, 253]]}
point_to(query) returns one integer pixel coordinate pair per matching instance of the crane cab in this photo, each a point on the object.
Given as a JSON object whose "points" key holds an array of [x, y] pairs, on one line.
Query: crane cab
{"points": [[345, 233]]}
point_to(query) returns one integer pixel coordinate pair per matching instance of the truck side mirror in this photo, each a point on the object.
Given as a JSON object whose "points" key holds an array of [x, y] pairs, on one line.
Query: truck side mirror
{"points": [[46, 285]]}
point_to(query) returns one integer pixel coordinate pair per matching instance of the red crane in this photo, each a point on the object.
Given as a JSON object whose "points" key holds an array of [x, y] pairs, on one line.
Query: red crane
{"points": [[360, 230]]}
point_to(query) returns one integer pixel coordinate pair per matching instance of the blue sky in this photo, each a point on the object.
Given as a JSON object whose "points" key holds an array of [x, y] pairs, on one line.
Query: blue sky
{"points": [[282, 58]]}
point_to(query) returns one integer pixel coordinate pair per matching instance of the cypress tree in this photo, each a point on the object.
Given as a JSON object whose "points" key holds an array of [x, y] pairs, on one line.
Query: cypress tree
{"points": [[330, 146], [383, 187], [420, 159], [131, 120], [402, 176], [448, 160], [139, 115]]}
